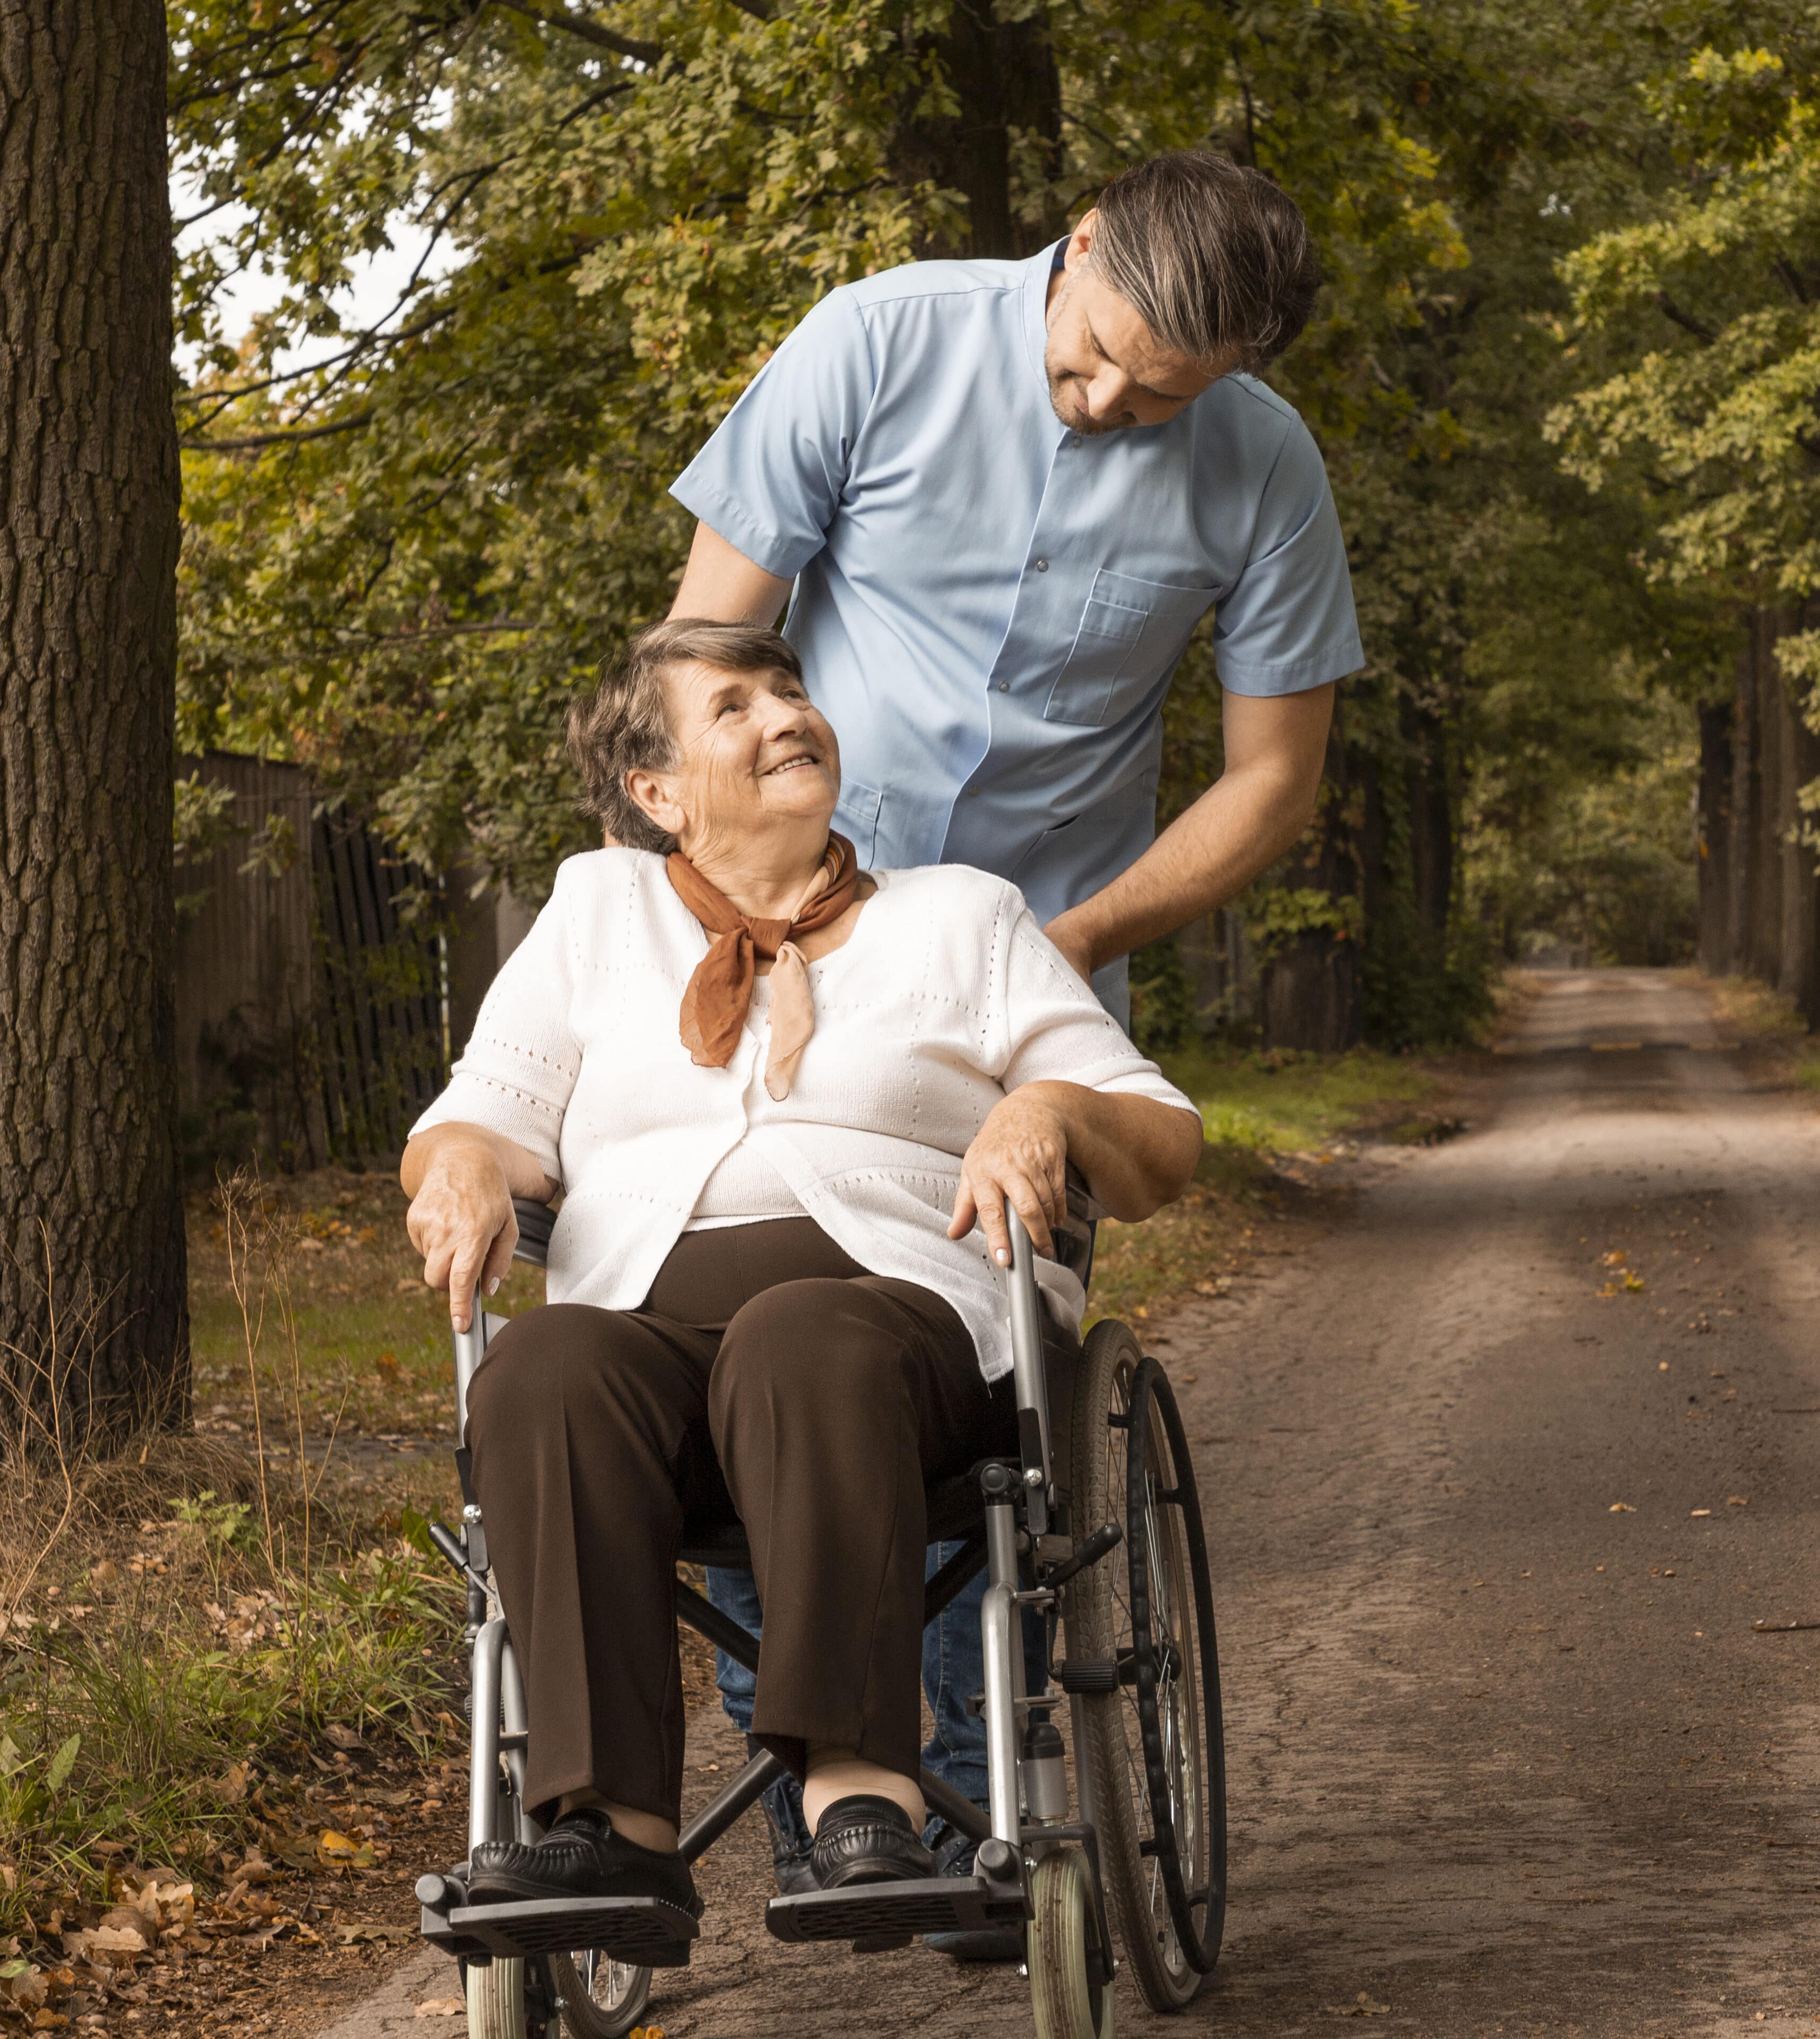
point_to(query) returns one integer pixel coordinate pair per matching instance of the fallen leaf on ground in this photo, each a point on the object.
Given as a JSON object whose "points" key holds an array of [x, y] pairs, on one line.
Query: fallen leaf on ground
{"points": [[1614, 1259], [341, 1852], [1737, 1501], [1361, 2007], [440, 2006], [380, 1936], [1620, 1508], [230, 1786], [343, 1737], [107, 1939], [1699, 1511]]}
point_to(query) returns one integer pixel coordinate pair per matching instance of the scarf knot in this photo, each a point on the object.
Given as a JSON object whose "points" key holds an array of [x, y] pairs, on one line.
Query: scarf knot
{"points": [[719, 995]]}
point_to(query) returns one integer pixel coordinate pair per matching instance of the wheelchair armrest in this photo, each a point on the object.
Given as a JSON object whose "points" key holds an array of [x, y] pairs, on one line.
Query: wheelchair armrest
{"points": [[535, 1223], [1073, 1237]]}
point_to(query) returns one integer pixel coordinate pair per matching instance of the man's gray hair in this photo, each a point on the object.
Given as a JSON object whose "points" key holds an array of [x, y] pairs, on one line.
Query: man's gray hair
{"points": [[624, 725], [1215, 258]]}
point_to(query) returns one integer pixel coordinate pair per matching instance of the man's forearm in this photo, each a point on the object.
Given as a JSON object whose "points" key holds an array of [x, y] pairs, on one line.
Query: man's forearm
{"points": [[1244, 822]]}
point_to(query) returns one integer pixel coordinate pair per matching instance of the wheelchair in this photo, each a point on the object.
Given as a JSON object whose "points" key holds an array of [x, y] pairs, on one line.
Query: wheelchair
{"points": [[1097, 1528]]}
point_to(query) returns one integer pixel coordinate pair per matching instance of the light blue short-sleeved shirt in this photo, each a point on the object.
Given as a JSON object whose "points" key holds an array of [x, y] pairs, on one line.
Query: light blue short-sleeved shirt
{"points": [[989, 607]]}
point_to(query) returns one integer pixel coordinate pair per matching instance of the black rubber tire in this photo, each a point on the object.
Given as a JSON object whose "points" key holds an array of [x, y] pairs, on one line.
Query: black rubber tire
{"points": [[1124, 1764], [1172, 1619], [583, 2018]]}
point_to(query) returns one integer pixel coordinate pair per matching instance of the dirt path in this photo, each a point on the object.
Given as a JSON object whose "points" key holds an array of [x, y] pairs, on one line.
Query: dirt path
{"points": [[1502, 1759]]}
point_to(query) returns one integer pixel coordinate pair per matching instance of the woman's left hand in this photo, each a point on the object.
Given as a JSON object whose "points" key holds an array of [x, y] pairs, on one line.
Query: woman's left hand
{"points": [[1019, 1156]]}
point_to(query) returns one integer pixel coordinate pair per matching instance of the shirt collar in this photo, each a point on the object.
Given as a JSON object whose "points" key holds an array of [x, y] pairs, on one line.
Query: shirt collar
{"points": [[1037, 272]]}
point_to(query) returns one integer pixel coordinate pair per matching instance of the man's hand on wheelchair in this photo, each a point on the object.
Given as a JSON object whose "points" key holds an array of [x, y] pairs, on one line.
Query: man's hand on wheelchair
{"points": [[1019, 1156], [461, 1218]]}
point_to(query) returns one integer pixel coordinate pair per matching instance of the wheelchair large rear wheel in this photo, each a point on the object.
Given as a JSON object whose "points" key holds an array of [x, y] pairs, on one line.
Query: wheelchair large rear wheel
{"points": [[1141, 1649], [601, 1998]]}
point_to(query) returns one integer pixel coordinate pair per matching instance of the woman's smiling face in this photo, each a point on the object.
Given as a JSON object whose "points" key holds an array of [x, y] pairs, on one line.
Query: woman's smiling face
{"points": [[752, 750]]}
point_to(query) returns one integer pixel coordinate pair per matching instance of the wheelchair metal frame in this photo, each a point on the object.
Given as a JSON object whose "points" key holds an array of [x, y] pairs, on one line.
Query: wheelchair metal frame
{"points": [[1018, 1510]]}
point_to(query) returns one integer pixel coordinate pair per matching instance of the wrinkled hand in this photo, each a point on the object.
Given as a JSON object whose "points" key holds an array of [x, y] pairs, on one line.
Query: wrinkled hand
{"points": [[1019, 1157], [461, 1220]]}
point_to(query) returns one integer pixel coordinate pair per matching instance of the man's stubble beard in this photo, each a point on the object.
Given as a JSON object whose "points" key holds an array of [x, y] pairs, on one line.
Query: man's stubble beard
{"points": [[1077, 421]]}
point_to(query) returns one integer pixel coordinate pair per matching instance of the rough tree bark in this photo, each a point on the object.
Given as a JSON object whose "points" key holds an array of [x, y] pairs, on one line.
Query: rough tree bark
{"points": [[91, 1267], [1760, 879], [1715, 838], [1008, 94]]}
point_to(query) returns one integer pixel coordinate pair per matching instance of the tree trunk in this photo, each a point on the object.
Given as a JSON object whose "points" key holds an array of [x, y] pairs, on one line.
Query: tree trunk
{"points": [[1715, 838], [93, 1309], [1745, 885], [1008, 94]]}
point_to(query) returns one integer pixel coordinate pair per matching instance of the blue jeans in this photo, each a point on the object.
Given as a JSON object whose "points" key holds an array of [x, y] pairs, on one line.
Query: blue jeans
{"points": [[953, 1668]]}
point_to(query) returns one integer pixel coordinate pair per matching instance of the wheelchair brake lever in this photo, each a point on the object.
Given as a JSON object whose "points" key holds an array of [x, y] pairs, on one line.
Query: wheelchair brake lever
{"points": [[1106, 1538], [450, 1544]]}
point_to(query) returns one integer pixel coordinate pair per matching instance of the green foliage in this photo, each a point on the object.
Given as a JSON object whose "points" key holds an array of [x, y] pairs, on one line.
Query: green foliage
{"points": [[1696, 332], [1277, 915], [1609, 867], [1163, 1016]]}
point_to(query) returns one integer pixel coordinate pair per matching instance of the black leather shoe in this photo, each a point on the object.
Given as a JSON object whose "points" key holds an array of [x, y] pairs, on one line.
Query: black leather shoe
{"points": [[581, 1856], [865, 1840]]}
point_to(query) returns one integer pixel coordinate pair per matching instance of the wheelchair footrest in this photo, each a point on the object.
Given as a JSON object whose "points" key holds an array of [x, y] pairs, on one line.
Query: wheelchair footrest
{"points": [[643, 1931], [890, 1913]]}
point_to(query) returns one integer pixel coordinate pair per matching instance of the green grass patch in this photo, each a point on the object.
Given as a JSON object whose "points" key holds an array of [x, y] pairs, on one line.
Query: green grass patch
{"points": [[1276, 1099], [152, 1677], [1253, 1105], [351, 1337]]}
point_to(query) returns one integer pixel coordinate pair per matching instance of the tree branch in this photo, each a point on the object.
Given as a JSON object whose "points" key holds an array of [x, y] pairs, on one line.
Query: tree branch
{"points": [[1669, 310], [436, 630], [590, 31], [254, 440]]}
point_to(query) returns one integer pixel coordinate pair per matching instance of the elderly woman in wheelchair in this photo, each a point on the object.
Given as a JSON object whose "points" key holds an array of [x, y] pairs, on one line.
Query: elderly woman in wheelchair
{"points": [[789, 1105]]}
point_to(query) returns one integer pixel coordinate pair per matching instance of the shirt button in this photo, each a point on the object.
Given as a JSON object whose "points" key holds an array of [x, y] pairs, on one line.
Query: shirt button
{"points": [[1005, 687], [1042, 566], [1074, 439]]}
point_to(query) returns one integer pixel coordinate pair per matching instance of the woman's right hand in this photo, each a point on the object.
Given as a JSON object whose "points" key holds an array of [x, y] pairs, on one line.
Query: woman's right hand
{"points": [[461, 1218]]}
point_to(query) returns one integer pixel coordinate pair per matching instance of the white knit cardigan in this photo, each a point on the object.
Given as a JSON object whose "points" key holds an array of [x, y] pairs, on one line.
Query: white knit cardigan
{"points": [[946, 996]]}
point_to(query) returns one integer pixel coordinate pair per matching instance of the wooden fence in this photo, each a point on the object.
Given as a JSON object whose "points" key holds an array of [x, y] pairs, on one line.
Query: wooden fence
{"points": [[312, 1014]]}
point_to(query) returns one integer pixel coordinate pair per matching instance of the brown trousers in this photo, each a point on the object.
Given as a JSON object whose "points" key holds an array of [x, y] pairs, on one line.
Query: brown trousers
{"points": [[766, 1373]]}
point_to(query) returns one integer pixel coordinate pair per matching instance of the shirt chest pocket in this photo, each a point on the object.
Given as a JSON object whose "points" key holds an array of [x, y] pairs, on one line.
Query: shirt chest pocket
{"points": [[1131, 632]]}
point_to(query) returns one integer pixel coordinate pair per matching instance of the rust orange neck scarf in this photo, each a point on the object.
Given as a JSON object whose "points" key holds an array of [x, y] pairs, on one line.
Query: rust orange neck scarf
{"points": [[719, 993]]}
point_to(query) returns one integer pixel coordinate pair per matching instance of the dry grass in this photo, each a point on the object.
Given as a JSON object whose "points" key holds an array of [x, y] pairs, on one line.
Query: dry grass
{"points": [[1750, 1010], [194, 1632]]}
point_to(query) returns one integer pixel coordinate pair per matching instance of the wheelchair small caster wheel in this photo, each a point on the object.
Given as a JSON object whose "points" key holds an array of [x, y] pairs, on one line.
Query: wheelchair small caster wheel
{"points": [[496, 2000], [1070, 1984]]}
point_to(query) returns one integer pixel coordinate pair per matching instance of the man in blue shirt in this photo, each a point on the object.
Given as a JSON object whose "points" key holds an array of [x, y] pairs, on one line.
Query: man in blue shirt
{"points": [[1006, 493]]}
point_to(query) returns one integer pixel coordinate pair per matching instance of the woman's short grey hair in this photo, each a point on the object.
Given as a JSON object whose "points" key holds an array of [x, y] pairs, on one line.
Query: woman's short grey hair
{"points": [[1215, 258], [624, 725]]}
